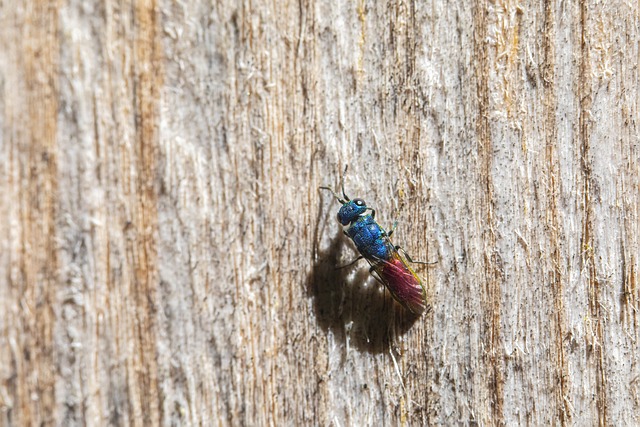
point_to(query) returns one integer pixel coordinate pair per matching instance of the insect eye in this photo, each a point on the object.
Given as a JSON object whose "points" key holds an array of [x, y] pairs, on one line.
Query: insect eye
{"points": [[359, 202]]}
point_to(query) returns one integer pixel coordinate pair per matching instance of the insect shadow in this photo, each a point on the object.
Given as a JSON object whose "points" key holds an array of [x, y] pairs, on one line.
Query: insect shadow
{"points": [[350, 303]]}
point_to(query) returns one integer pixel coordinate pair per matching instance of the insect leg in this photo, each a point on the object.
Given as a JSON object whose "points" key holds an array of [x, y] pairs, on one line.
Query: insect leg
{"points": [[376, 275], [393, 228], [406, 255], [373, 213], [351, 263]]}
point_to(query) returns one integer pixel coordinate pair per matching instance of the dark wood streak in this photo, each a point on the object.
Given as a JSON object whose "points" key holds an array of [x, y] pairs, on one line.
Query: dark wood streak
{"points": [[492, 264], [553, 172]]}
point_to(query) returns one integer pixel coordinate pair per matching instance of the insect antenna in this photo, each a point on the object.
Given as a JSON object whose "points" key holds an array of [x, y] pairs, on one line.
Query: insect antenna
{"points": [[334, 194], [346, 198], [342, 183]]}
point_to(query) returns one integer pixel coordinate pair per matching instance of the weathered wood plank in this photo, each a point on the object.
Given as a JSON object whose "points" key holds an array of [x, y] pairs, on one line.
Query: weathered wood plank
{"points": [[166, 257]]}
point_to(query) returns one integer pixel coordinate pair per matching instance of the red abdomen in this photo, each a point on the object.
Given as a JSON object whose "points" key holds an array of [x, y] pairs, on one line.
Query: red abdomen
{"points": [[403, 283]]}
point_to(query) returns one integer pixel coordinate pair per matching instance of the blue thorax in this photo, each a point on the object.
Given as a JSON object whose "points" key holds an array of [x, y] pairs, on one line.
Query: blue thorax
{"points": [[370, 239]]}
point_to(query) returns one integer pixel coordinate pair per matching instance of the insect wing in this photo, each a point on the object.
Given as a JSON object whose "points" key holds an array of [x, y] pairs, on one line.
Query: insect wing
{"points": [[402, 282]]}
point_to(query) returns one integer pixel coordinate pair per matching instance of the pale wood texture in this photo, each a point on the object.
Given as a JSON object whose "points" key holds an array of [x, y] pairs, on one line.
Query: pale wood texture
{"points": [[166, 256]]}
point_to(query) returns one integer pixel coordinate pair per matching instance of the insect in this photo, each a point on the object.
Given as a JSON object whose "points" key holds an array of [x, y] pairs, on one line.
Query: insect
{"points": [[374, 245]]}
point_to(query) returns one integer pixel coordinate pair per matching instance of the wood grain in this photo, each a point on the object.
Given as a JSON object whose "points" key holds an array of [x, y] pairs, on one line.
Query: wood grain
{"points": [[166, 257]]}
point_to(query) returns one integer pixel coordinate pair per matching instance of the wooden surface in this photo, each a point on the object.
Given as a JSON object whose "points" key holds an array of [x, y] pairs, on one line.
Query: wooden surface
{"points": [[166, 257]]}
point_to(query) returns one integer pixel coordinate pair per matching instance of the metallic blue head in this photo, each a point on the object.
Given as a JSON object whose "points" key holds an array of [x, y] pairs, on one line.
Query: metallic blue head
{"points": [[351, 210]]}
